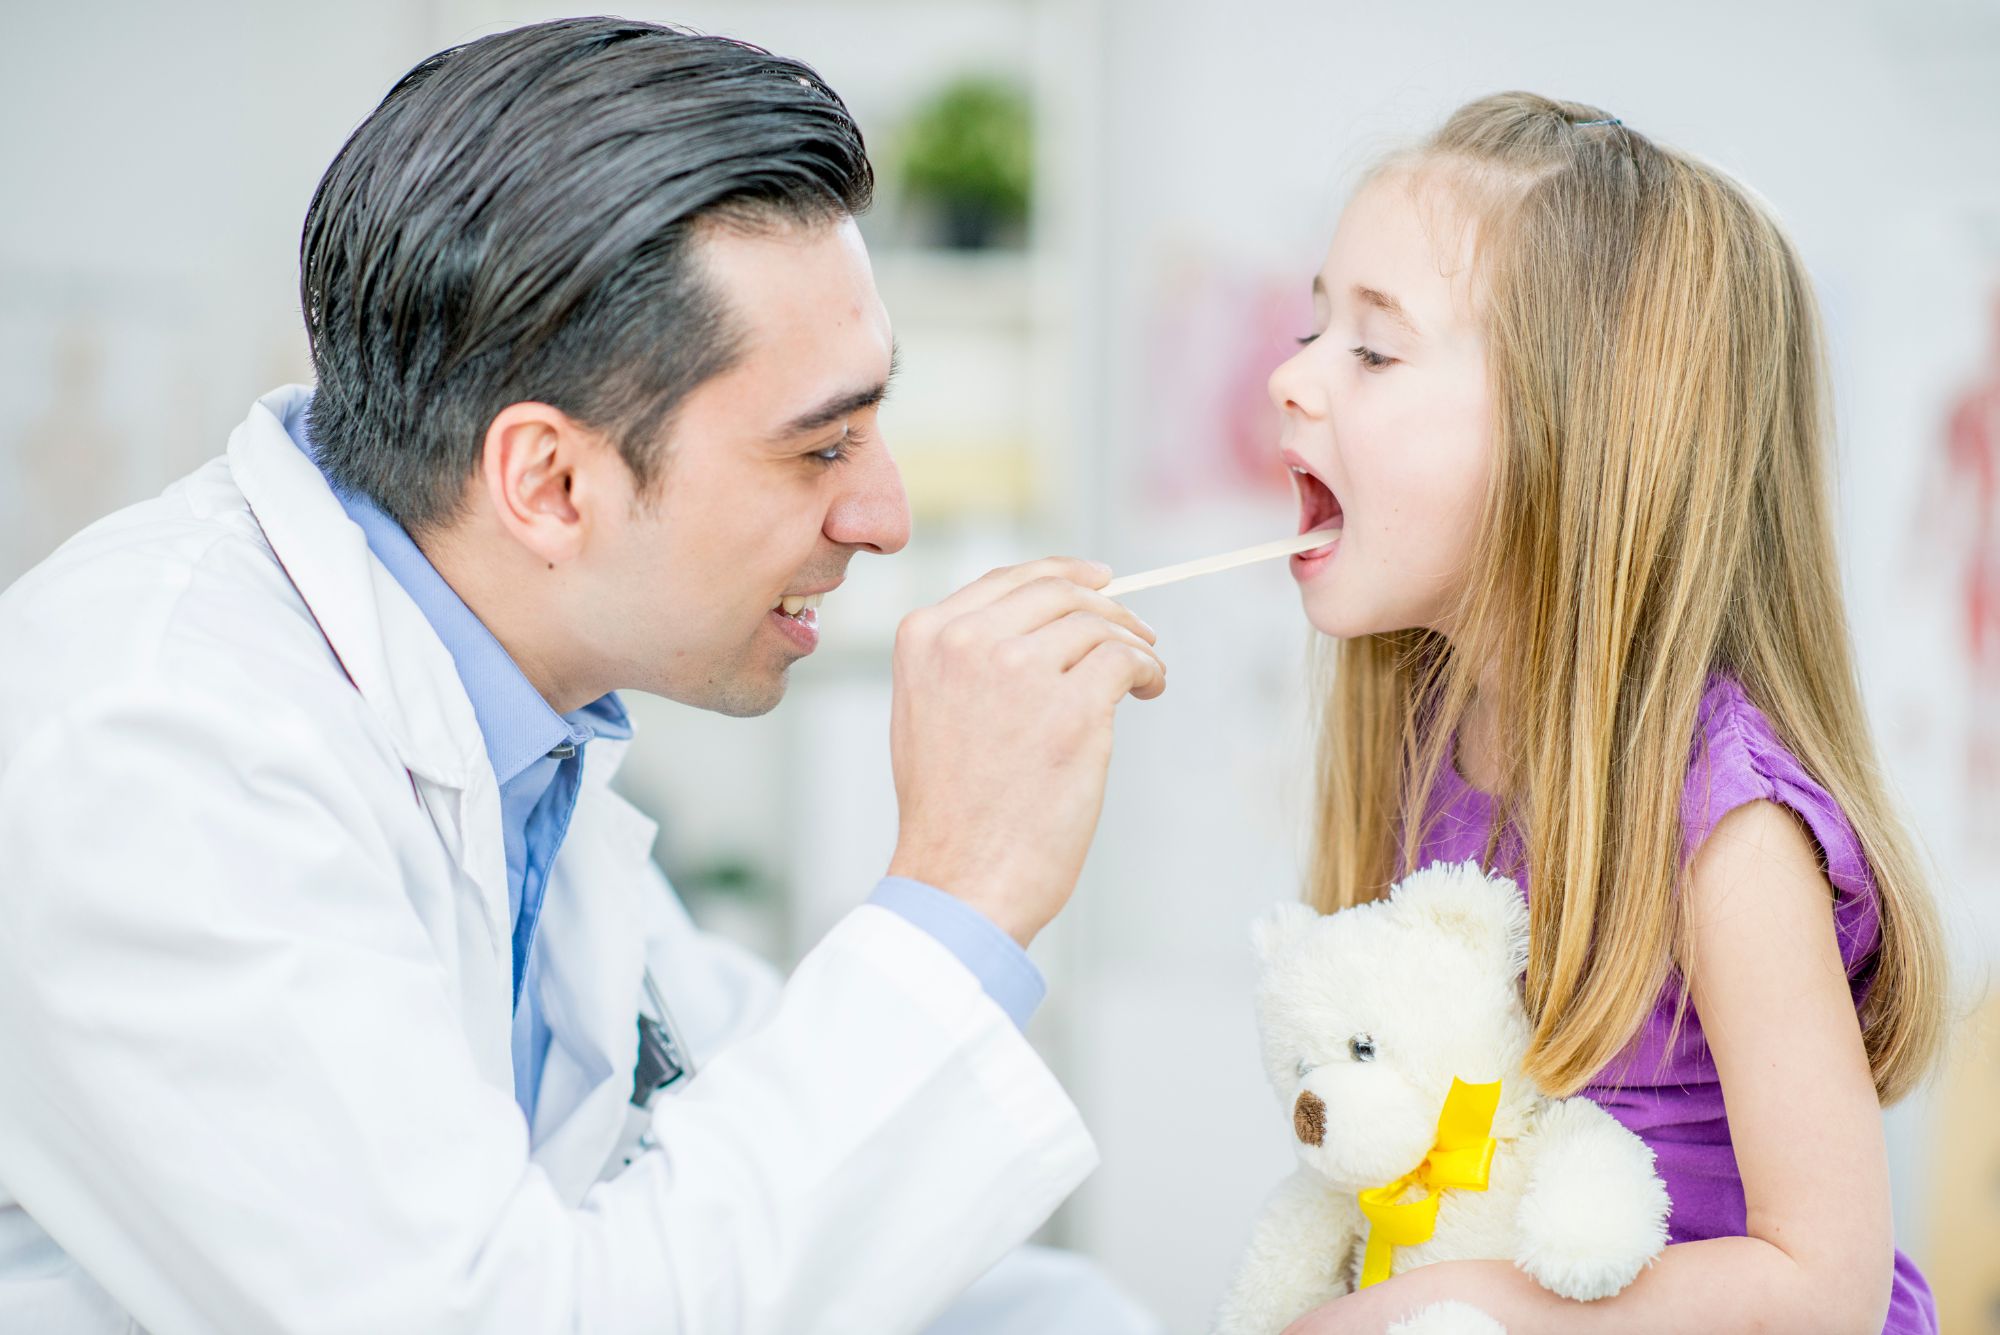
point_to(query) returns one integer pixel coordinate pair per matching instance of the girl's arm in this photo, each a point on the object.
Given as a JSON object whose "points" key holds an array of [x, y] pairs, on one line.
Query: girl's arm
{"points": [[1772, 995]]}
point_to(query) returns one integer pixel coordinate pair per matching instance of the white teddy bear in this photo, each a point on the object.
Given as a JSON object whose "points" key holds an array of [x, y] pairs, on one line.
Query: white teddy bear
{"points": [[1394, 1034]]}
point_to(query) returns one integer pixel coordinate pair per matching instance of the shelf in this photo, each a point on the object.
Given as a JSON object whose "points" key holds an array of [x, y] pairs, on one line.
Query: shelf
{"points": [[980, 289]]}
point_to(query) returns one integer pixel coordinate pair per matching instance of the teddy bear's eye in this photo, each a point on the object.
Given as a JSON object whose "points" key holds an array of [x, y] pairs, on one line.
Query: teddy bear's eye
{"points": [[1361, 1047]]}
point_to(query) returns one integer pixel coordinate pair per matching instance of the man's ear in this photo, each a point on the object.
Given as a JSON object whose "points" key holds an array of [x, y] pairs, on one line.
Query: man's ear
{"points": [[534, 469], [1272, 934]]}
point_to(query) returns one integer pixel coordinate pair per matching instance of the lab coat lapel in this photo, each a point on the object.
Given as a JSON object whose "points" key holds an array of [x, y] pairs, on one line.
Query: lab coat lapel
{"points": [[381, 637], [404, 674], [591, 942]]}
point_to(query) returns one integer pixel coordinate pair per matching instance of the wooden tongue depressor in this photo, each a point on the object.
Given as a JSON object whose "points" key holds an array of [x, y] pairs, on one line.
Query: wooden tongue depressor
{"points": [[1304, 542]]}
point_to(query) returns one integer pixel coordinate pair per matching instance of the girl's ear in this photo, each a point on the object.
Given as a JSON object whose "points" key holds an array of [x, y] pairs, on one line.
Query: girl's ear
{"points": [[1485, 912], [1273, 934]]}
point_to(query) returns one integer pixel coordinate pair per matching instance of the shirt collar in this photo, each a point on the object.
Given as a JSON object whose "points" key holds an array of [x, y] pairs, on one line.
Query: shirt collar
{"points": [[518, 725]]}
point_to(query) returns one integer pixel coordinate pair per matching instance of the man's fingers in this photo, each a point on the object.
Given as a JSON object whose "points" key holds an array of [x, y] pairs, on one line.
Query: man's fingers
{"points": [[1118, 669], [1040, 602], [1068, 639], [997, 584]]}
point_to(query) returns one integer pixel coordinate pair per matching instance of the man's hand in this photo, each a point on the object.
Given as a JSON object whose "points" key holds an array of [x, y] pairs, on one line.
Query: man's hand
{"points": [[1001, 734]]}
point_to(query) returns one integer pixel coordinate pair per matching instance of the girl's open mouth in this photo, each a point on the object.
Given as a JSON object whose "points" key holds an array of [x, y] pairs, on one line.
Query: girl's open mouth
{"points": [[1319, 509]]}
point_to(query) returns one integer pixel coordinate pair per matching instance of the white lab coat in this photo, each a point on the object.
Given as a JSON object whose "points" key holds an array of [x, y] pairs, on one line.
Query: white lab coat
{"points": [[254, 994]]}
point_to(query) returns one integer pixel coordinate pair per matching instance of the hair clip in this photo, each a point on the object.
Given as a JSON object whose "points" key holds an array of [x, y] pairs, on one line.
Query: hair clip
{"points": [[1608, 120]]}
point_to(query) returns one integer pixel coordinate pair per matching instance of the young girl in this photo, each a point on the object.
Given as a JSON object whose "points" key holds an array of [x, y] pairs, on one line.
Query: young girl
{"points": [[1563, 420]]}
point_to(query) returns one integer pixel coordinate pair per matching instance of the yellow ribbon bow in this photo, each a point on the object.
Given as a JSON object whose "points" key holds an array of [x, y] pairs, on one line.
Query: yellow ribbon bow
{"points": [[1461, 1157]]}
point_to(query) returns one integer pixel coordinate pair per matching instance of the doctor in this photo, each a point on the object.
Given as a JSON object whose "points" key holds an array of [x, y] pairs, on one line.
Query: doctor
{"points": [[337, 990]]}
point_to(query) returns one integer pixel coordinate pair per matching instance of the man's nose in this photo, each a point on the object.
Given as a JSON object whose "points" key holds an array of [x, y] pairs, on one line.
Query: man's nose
{"points": [[873, 512]]}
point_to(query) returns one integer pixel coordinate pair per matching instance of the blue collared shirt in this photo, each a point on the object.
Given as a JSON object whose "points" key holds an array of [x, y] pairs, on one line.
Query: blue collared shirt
{"points": [[537, 757]]}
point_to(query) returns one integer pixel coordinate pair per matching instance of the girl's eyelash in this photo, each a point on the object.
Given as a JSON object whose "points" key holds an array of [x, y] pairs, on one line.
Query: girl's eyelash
{"points": [[1367, 356]]}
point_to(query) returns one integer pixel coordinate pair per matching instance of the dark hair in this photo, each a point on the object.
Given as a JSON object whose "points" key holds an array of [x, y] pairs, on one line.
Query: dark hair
{"points": [[517, 220]]}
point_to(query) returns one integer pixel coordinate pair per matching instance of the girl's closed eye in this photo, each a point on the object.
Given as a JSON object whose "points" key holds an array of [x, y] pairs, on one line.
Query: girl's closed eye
{"points": [[1367, 356]]}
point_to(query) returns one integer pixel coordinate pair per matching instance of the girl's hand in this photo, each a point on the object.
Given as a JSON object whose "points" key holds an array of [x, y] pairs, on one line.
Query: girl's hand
{"points": [[1373, 1310]]}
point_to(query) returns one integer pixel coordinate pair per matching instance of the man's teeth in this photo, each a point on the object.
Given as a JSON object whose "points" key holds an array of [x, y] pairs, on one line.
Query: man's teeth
{"points": [[792, 605]]}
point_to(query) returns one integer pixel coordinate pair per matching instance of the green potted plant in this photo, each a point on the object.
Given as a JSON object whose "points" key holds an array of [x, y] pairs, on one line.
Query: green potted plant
{"points": [[968, 158]]}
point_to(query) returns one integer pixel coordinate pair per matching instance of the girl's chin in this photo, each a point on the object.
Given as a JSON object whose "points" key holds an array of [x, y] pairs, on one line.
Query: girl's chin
{"points": [[1341, 619], [1329, 623]]}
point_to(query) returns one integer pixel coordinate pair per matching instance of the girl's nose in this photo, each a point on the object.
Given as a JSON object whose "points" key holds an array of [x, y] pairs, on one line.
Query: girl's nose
{"points": [[1293, 387]]}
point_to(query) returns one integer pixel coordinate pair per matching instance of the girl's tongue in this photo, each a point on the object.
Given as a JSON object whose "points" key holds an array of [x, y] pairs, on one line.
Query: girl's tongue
{"points": [[1318, 509]]}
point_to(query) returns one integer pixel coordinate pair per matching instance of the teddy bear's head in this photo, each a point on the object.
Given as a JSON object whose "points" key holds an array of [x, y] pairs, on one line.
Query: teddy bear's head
{"points": [[1368, 1013]]}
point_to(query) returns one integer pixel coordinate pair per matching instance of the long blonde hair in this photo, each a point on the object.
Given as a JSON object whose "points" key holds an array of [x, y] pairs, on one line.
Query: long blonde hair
{"points": [[1660, 508]]}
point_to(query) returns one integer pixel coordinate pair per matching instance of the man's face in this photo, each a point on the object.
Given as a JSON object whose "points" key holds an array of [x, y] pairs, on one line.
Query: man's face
{"points": [[776, 475]]}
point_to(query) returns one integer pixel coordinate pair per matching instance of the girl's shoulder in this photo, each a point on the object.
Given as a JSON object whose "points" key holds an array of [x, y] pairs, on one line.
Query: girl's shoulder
{"points": [[1736, 757]]}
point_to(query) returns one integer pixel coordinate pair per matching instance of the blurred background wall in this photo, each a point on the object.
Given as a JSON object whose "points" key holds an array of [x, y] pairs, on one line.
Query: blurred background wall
{"points": [[1098, 223]]}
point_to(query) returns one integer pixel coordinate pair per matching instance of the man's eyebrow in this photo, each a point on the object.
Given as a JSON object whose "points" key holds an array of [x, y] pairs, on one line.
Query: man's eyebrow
{"points": [[1381, 301], [845, 405]]}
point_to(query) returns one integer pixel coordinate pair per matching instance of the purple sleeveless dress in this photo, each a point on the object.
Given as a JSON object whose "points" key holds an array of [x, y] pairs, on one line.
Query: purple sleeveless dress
{"points": [[1673, 1099]]}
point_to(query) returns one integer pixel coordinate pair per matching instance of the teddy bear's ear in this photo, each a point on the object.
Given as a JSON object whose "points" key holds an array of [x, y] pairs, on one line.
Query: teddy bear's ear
{"points": [[1281, 925], [1485, 911]]}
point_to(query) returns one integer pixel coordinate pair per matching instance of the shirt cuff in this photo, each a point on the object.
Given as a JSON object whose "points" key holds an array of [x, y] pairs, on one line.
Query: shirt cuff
{"points": [[995, 958]]}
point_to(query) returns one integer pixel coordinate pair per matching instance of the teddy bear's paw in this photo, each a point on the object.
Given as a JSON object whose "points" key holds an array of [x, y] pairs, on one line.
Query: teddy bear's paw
{"points": [[1594, 1213], [1297, 1258], [1447, 1319]]}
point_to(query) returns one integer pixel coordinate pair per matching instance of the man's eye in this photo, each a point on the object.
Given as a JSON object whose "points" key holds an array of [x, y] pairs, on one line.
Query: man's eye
{"points": [[840, 449]]}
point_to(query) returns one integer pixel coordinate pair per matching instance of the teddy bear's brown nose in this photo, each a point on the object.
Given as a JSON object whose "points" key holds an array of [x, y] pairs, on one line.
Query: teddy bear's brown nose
{"points": [[1309, 1118]]}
